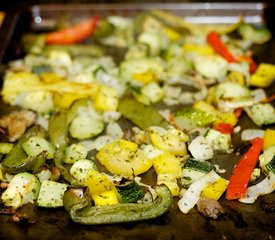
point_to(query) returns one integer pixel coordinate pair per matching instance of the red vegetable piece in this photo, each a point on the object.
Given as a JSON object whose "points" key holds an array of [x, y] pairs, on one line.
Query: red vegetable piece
{"points": [[74, 34], [238, 112], [224, 128], [215, 42], [243, 170]]}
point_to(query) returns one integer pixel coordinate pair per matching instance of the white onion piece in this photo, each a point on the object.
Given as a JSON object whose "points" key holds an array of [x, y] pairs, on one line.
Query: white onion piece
{"points": [[258, 94], [114, 130], [200, 149], [110, 116], [249, 134], [192, 195], [98, 143], [228, 106], [264, 187]]}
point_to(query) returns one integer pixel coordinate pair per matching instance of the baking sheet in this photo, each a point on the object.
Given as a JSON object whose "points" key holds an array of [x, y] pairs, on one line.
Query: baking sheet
{"points": [[243, 222]]}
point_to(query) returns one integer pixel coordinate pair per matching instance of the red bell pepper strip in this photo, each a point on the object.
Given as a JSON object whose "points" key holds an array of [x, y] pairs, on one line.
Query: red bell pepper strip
{"points": [[238, 112], [243, 170], [218, 46], [252, 64], [269, 99], [215, 42], [224, 128], [73, 34]]}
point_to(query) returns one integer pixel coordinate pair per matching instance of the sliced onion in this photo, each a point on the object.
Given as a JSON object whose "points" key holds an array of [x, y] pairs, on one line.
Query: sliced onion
{"points": [[258, 94], [192, 195], [114, 130], [264, 187], [249, 134]]}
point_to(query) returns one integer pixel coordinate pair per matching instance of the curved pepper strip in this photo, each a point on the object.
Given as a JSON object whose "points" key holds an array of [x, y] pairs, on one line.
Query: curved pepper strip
{"points": [[142, 115], [243, 170], [18, 161], [58, 131], [74, 34], [77, 204], [218, 46]]}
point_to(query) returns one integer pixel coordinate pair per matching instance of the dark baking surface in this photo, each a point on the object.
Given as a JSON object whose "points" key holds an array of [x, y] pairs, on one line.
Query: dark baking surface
{"points": [[242, 221]]}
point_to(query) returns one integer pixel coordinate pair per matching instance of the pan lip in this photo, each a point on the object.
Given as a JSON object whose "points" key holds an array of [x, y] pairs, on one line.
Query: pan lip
{"points": [[176, 5], [250, 7]]}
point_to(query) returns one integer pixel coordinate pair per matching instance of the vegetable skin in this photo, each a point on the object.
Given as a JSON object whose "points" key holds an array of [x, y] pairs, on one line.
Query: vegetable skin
{"points": [[76, 204]]}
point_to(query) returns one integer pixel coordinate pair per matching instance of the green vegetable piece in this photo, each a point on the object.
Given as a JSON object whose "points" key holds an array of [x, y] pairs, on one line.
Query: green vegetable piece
{"points": [[18, 161], [189, 118], [33, 43], [131, 192], [104, 29], [84, 127], [75, 152], [82, 103], [84, 120], [51, 194], [5, 148], [58, 130], [59, 163], [271, 165], [256, 35], [77, 205], [141, 115], [38, 69], [193, 170], [35, 145], [204, 167], [76, 49]]}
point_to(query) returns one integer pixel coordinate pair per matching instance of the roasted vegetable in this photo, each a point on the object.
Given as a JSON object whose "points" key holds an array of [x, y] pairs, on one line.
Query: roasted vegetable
{"points": [[189, 118], [141, 115], [22, 189], [124, 158], [17, 160], [51, 194], [77, 205], [130, 192], [242, 171], [73, 34]]}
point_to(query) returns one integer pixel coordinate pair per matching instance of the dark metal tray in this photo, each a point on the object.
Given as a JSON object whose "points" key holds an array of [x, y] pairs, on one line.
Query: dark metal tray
{"points": [[243, 222]]}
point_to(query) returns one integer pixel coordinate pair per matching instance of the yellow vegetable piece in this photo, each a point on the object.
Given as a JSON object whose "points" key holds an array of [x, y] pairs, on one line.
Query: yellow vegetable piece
{"points": [[146, 77], [172, 34], [236, 77], [98, 183], [171, 140], [228, 117], [106, 99], [264, 75], [199, 49], [168, 163], [49, 78], [215, 190], [1, 175], [269, 138], [66, 99], [124, 158], [105, 198], [207, 107], [211, 96], [170, 181]]}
